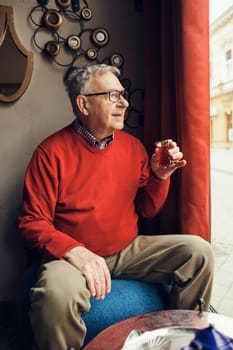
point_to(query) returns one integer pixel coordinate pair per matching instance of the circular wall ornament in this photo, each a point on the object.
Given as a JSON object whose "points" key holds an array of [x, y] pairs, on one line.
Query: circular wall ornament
{"points": [[100, 37], [117, 60], [63, 3], [52, 19], [86, 13], [52, 48], [91, 53], [73, 42]]}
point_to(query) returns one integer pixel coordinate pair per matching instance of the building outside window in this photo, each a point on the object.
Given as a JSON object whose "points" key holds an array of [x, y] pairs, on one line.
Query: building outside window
{"points": [[221, 80]]}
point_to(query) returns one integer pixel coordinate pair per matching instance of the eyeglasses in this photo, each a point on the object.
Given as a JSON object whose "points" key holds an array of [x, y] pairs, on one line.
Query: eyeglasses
{"points": [[113, 95]]}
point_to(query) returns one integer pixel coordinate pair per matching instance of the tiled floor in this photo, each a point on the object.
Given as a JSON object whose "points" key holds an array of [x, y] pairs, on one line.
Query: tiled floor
{"points": [[222, 229]]}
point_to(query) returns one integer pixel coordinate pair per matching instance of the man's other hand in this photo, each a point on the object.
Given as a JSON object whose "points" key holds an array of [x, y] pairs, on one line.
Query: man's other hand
{"points": [[94, 268]]}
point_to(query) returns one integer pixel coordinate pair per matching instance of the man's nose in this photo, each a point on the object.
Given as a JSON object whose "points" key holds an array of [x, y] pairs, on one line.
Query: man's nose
{"points": [[123, 102]]}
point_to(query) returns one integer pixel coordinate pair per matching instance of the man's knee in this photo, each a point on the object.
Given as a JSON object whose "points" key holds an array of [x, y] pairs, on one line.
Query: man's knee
{"points": [[197, 246], [197, 255], [60, 286]]}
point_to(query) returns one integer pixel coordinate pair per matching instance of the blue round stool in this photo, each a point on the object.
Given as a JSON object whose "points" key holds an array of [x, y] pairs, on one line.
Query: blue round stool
{"points": [[128, 298]]}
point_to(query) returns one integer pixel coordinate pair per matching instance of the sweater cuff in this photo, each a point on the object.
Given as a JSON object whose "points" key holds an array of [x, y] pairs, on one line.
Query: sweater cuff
{"points": [[153, 176]]}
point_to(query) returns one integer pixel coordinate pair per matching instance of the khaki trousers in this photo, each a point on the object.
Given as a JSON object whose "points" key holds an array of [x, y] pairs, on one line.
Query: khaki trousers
{"points": [[60, 296]]}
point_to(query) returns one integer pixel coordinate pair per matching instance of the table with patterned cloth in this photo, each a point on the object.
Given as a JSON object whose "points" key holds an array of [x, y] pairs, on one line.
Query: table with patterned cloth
{"points": [[186, 321]]}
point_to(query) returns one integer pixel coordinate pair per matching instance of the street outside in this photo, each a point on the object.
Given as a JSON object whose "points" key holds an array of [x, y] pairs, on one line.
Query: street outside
{"points": [[222, 228]]}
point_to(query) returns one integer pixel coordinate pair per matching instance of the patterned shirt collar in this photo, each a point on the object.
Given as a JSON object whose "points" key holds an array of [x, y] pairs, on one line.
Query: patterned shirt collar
{"points": [[91, 139]]}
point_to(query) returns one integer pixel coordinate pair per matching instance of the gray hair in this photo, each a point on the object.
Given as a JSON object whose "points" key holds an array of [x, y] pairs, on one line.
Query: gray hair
{"points": [[76, 80]]}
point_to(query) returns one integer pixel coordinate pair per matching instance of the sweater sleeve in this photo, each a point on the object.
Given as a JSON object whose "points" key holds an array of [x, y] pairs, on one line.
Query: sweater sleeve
{"points": [[152, 192], [35, 222]]}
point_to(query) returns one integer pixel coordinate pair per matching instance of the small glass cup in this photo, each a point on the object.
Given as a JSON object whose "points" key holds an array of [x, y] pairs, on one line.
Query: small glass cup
{"points": [[162, 153]]}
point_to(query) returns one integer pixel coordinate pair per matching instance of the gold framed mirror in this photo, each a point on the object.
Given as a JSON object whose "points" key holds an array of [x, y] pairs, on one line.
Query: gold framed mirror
{"points": [[16, 62]]}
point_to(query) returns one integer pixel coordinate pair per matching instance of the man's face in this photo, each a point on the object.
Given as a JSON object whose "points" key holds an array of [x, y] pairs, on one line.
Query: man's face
{"points": [[103, 117]]}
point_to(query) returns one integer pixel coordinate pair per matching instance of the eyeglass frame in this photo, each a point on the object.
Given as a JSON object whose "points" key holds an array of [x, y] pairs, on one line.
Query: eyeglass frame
{"points": [[123, 93]]}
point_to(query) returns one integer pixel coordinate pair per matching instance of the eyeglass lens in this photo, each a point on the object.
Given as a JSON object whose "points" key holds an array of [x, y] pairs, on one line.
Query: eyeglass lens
{"points": [[114, 96]]}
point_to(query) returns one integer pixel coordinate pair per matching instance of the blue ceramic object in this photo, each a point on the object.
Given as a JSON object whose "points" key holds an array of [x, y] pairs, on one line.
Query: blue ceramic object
{"points": [[209, 339]]}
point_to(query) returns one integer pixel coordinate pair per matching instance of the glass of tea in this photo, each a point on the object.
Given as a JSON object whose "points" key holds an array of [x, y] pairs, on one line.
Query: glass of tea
{"points": [[162, 152]]}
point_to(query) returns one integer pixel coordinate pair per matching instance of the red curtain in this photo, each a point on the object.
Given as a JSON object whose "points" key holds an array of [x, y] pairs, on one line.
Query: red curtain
{"points": [[177, 106]]}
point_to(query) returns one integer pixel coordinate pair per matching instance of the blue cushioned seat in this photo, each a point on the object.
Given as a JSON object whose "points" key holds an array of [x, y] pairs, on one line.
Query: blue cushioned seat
{"points": [[127, 298]]}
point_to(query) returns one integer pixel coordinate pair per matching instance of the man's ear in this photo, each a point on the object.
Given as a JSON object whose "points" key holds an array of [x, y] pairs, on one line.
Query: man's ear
{"points": [[82, 104]]}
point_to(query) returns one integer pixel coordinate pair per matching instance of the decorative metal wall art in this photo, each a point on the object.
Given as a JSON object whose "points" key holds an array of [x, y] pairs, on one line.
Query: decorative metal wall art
{"points": [[69, 50], [81, 46]]}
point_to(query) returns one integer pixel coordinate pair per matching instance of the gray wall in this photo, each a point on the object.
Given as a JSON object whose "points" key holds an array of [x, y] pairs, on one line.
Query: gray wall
{"points": [[45, 108]]}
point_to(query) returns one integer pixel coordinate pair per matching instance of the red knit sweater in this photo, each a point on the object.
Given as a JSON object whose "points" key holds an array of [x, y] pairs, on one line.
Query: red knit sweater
{"points": [[75, 194]]}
